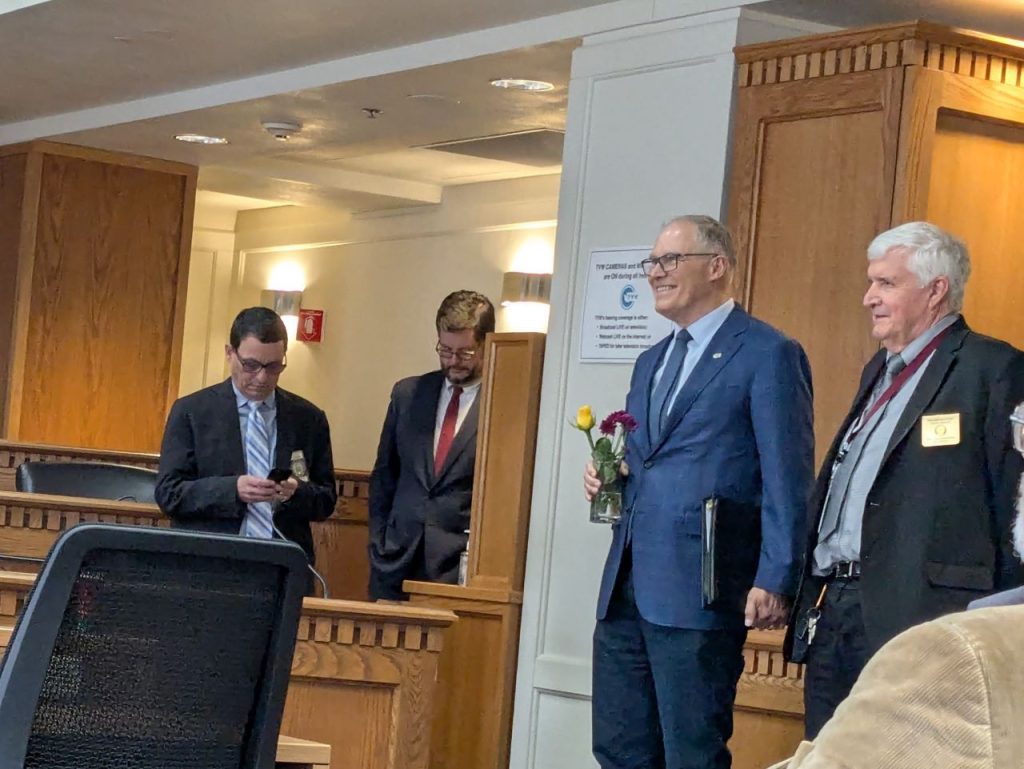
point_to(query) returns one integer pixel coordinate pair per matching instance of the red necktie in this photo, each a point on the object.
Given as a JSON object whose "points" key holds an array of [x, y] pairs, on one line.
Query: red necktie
{"points": [[444, 440]]}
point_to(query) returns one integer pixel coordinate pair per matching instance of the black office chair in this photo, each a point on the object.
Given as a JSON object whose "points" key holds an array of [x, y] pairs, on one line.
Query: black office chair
{"points": [[97, 480], [152, 649]]}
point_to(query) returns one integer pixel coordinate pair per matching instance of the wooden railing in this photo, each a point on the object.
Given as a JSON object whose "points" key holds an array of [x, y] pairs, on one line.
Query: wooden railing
{"points": [[339, 542]]}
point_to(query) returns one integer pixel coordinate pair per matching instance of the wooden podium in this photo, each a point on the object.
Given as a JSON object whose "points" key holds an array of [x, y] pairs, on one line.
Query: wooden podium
{"points": [[473, 716]]}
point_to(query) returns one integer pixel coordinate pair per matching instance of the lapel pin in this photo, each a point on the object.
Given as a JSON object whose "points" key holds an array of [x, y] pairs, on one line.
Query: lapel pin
{"points": [[717, 355]]}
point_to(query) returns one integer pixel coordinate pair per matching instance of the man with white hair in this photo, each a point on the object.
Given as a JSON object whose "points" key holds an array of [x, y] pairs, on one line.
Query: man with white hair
{"points": [[911, 512], [943, 694]]}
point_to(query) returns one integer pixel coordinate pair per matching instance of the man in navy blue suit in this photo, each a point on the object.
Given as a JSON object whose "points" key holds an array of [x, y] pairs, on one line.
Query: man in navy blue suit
{"points": [[724, 411]]}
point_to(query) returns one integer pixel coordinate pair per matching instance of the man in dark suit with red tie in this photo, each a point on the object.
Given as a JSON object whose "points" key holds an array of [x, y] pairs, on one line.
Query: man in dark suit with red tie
{"points": [[421, 486]]}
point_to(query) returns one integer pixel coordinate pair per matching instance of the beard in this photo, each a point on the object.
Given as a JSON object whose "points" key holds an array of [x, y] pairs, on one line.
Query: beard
{"points": [[1018, 522], [459, 374]]}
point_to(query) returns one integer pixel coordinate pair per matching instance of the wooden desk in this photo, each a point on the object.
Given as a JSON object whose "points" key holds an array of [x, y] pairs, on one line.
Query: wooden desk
{"points": [[293, 753], [362, 680]]}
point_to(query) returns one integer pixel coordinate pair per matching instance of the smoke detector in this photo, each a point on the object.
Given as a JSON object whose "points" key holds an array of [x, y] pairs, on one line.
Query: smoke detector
{"points": [[281, 131]]}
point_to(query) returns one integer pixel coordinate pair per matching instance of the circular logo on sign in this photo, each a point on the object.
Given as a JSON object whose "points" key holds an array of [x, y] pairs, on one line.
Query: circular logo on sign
{"points": [[628, 296]]}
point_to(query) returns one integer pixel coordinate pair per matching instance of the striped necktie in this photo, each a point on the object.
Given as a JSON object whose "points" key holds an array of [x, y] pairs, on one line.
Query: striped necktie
{"points": [[259, 519]]}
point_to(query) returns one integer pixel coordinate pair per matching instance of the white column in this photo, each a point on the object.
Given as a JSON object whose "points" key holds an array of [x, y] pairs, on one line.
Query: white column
{"points": [[647, 138]]}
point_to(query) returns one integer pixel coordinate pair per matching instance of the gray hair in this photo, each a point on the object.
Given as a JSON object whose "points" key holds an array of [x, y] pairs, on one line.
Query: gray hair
{"points": [[712, 234], [934, 253]]}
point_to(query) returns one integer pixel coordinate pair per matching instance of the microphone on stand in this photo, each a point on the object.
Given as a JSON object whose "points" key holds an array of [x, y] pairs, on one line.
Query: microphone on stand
{"points": [[323, 583]]}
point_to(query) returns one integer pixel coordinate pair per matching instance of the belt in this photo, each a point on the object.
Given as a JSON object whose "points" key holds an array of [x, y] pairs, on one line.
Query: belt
{"points": [[844, 570]]}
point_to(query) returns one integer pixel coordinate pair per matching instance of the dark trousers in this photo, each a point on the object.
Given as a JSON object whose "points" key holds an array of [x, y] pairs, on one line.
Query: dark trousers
{"points": [[836, 657], [662, 696]]}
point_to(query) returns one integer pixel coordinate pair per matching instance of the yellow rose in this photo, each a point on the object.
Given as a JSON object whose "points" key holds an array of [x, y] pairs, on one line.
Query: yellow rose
{"points": [[584, 418]]}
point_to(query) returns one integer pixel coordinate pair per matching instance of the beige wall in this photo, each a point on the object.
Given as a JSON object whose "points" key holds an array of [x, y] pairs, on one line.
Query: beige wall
{"points": [[378, 278]]}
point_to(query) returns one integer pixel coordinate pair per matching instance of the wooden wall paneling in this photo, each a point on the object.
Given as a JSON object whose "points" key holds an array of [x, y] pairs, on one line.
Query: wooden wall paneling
{"points": [[12, 190], [186, 214], [345, 536], [922, 93], [977, 172], [812, 182], [18, 363], [104, 294], [104, 247]]}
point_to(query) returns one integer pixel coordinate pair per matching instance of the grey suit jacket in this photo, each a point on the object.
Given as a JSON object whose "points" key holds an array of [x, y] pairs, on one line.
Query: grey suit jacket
{"points": [[418, 518]]}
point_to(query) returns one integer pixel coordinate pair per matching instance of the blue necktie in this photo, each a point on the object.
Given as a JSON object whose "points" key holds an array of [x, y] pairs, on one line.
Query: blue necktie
{"points": [[661, 397], [259, 520]]}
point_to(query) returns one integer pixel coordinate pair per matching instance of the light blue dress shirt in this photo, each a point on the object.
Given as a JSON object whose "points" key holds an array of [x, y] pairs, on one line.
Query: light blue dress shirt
{"points": [[842, 519], [702, 332]]}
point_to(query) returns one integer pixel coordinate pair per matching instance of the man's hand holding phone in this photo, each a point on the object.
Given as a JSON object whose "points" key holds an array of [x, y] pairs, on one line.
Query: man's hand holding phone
{"points": [[278, 486]]}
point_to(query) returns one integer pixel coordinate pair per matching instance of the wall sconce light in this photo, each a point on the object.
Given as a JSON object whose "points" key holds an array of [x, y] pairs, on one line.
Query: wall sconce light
{"points": [[526, 297], [286, 304], [525, 287]]}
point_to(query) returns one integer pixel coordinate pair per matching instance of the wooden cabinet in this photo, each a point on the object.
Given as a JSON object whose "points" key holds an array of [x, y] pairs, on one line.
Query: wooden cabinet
{"points": [[94, 254], [839, 137]]}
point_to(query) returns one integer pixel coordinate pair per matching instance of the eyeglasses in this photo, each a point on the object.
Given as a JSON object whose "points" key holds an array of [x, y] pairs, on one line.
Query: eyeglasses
{"points": [[1017, 427], [253, 366], [464, 356], [669, 262]]}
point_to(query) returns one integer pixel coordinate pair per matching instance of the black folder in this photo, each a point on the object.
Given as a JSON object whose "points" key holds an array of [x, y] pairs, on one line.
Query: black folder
{"points": [[730, 538]]}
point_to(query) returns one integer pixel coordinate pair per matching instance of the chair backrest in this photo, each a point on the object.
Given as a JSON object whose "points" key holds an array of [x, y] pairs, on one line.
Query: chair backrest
{"points": [[152, 649], [98, 480]]}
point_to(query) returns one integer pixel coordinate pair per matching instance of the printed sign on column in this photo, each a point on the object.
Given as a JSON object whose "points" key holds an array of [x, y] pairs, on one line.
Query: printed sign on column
{"points": [[619, 321]]}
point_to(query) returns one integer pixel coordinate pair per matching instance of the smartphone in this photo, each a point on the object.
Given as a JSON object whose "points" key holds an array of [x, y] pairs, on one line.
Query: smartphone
{"points": [[279, 474]]}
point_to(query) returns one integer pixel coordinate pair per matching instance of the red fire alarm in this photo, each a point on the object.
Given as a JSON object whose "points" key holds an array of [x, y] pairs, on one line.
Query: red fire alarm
{"points": [[311, 325]]}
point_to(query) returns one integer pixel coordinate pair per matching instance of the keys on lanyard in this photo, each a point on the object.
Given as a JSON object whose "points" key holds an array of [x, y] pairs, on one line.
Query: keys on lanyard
{"points": [[815, 614]]}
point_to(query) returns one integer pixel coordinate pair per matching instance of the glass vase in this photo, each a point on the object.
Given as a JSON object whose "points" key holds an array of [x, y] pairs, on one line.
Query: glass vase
{"points": [[606, 506]]}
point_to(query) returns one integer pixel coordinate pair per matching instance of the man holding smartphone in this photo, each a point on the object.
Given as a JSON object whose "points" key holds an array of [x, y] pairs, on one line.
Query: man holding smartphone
{"points": [[245, 456]]}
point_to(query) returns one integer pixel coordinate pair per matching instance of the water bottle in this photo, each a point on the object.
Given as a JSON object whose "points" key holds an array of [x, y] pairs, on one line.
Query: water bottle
{"points": [[464, 561]]}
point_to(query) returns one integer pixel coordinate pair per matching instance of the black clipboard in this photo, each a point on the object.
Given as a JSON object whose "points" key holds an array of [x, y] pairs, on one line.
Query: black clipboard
{"points": [[730, 541]]}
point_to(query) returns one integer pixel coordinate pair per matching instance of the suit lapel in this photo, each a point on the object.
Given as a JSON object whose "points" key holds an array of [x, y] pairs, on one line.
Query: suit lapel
{"points": [[717, 354], [228, 406], [931, 380], [868, 377], [423, 413], [645, 375], [285, 430]]}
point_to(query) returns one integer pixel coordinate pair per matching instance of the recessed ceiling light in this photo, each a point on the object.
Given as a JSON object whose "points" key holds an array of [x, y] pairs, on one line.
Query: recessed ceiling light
{"points": [[200, 139], [520, 84]]}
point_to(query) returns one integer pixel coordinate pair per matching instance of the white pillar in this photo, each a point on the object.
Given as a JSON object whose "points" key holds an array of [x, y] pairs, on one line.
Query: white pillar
{"points": [[647, 138]]}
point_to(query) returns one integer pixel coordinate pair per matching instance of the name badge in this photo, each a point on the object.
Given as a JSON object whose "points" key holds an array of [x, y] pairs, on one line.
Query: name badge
{"points": [[299, 468], [940, 430]]}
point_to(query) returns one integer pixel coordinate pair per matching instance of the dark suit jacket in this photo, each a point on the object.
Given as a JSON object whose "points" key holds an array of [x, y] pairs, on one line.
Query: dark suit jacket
{"points": [[740, 429], [936, 524], [202, 456], [417, 519]]}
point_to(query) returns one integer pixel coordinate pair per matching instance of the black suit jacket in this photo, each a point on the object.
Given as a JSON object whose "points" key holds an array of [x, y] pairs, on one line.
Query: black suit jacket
{"points": [[417, 519], [202, 456], [937, 520]]}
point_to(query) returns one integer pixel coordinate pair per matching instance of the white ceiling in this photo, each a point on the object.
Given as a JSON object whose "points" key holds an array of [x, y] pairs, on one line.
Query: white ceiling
{"points": [[129, 74]]}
